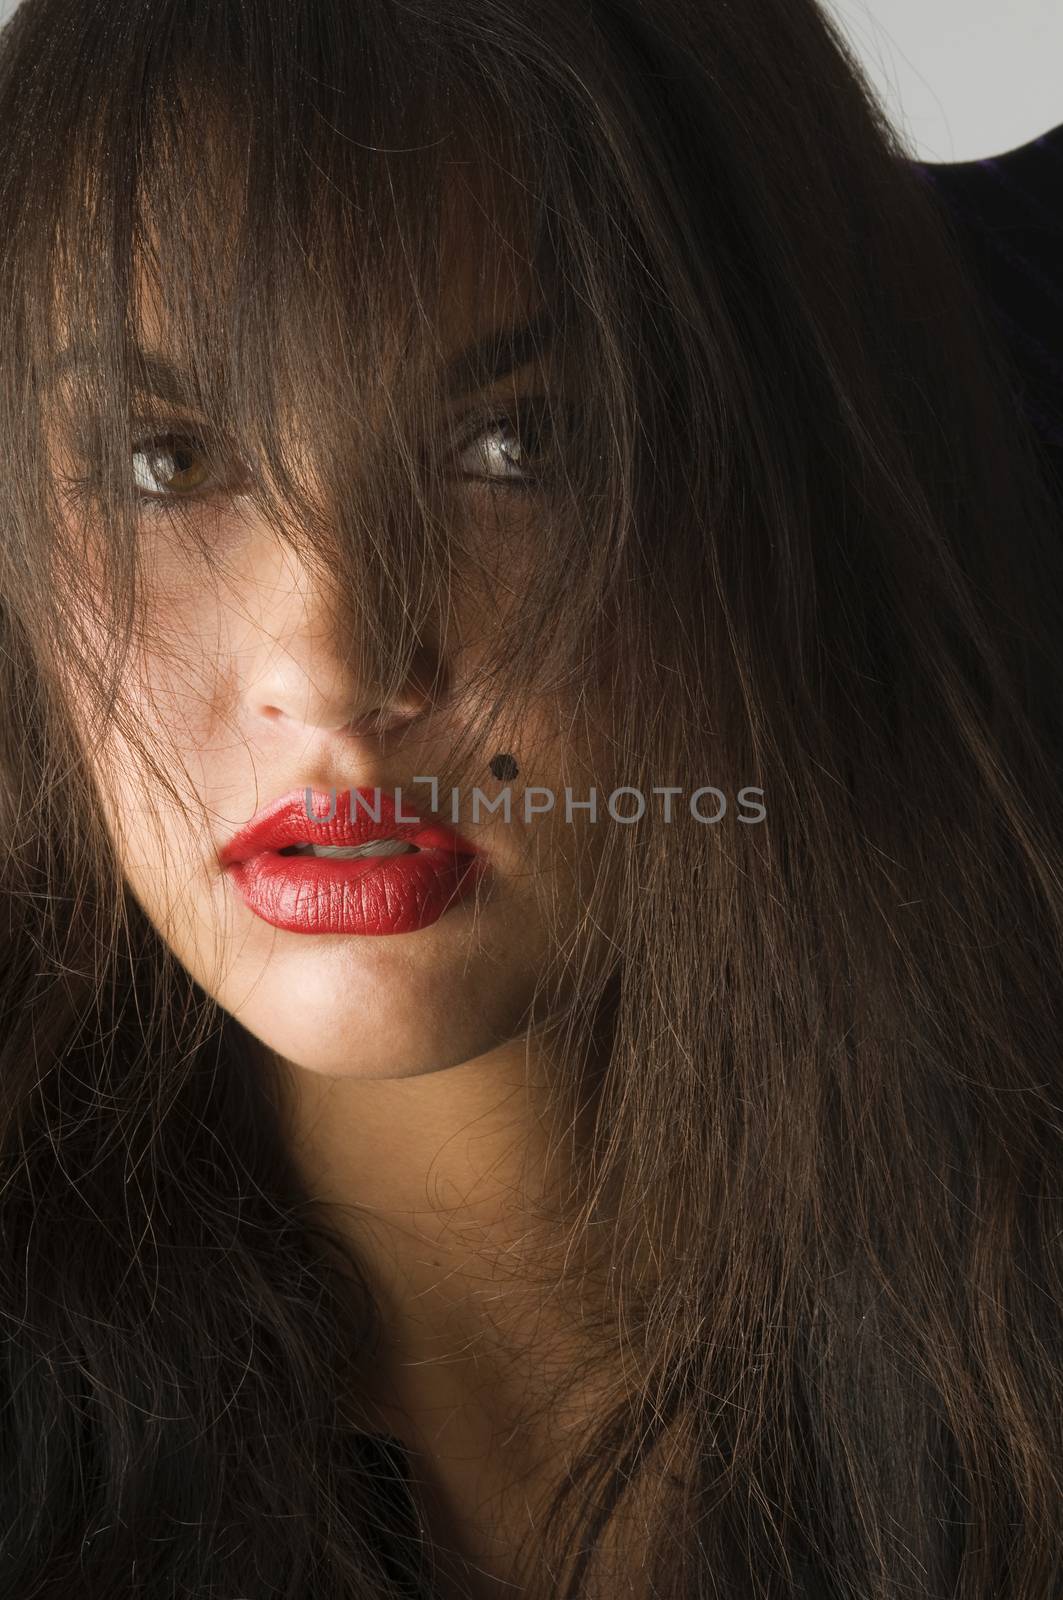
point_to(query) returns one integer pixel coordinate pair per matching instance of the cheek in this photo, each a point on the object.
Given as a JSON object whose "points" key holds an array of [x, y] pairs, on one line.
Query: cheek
{"points": [[178, 626], [191, 639], [149, 760]]}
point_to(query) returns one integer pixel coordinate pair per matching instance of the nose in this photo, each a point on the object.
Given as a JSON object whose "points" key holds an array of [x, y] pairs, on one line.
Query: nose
{"points": [[297, 670]]}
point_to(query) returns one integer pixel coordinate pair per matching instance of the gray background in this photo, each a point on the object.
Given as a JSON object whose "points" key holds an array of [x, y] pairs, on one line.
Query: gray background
{"points": [[959, 78]]}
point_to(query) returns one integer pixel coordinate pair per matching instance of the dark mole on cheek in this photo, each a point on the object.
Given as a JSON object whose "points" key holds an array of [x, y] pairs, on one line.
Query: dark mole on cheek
{"points": [[503, 767]]}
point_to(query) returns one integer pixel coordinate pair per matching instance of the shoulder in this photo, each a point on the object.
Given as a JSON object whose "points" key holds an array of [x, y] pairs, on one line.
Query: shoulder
{"points": [[1022, 186], [1007, 211]]}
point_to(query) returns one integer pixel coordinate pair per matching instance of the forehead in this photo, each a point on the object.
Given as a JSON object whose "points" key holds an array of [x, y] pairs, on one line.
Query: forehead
{"points": [[486, 254], [487, 278]]}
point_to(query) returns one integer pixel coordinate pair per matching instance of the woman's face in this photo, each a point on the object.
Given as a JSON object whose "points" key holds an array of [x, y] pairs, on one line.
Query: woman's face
{"points": [[248, 693]]}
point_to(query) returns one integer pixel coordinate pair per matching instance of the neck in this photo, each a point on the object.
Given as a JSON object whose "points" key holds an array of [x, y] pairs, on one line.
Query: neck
{"points": [[449, 1186]]}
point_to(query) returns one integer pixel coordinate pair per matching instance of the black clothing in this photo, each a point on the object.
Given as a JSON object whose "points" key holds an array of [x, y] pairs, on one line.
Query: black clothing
{"points": [[1007, 212]]}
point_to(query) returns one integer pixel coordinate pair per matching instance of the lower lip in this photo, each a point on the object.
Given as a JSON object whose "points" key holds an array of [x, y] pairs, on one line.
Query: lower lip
{"points": [[367, 895]]}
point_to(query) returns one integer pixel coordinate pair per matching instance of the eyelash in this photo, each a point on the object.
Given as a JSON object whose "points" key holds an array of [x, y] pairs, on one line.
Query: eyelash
{"points": [[534, 410]]}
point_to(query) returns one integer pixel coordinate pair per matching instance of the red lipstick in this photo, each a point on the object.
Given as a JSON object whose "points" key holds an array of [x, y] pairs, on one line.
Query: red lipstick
{"points": [[421, 871]]}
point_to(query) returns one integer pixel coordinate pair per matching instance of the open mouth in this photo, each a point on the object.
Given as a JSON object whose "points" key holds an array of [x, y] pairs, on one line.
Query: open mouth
{"points": [[351, 852]]}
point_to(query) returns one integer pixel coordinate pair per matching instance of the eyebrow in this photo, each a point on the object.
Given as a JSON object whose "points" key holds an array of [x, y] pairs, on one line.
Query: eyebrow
{"points": [[494, 356], [487, 360]]}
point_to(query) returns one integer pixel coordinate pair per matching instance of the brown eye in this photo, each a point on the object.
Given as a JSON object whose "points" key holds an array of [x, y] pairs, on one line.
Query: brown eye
{"points": [[496, 452], [509, 448], [170, 465]]}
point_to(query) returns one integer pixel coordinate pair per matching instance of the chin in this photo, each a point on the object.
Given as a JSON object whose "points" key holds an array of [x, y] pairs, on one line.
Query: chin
{"points": [[393, 1007]]}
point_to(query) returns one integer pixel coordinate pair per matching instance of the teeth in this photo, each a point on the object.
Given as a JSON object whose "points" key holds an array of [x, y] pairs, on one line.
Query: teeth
{"points": [[351, 852]]}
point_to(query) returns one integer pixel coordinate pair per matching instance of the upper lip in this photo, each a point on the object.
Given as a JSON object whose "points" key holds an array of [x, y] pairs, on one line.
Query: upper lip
{"points": [[285, 822]]}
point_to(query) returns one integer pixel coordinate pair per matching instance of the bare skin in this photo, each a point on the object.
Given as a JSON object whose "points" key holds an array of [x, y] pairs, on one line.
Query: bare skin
{"points": [[484, 1380]]}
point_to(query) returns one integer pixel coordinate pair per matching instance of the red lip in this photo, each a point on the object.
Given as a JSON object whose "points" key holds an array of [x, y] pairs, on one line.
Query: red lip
{"points": [[286, 822], [370, 895]]}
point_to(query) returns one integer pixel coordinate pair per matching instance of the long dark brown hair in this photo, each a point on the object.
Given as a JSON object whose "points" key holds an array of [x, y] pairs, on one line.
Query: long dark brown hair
{"points": [[790, 521]]}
